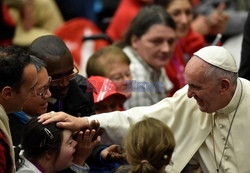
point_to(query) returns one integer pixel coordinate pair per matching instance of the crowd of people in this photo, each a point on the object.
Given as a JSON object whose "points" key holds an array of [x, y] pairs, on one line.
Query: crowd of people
{"points": [[163, 95]]}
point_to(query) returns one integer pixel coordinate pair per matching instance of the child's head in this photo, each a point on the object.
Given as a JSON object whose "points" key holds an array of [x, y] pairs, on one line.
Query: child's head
{"points": [[106, 97], [113, 63], [149, 146], [47, 145]]}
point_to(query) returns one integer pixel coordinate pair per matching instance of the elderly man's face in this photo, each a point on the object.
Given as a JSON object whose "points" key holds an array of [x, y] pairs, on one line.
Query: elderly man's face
{"points": [[205, 91]]}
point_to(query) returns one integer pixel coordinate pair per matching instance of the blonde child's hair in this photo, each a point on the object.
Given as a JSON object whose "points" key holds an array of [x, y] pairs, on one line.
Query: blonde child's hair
{"points": [[98, 62], [149, 146]]}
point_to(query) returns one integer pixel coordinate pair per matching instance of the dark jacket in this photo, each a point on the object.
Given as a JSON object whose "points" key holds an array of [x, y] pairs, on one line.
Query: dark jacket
{"points": [[79, 101], [245, 53]]}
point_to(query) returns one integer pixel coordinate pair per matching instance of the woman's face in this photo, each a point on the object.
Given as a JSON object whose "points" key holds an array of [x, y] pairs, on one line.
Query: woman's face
{"points": [[156, 46], [181, 12], [68, 147]]}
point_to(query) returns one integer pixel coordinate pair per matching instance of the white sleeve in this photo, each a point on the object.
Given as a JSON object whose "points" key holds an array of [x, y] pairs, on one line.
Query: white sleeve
{"points": [[116, 124]]}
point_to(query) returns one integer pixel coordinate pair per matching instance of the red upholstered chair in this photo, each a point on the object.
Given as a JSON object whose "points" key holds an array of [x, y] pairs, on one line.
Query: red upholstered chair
{"points": [[83, 38]]}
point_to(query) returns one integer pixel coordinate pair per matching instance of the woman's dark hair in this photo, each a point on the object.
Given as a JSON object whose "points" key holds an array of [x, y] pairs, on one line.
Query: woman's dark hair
{"points": [[147, 17], [38, 138]]}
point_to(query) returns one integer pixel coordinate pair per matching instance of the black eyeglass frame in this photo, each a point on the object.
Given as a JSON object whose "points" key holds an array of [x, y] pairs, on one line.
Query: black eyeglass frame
{"points": [[44, 92], [56, 82]]}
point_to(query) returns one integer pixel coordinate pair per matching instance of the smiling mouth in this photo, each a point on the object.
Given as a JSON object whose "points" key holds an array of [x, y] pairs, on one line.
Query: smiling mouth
{"points": [[164, 57], [45, 104]]}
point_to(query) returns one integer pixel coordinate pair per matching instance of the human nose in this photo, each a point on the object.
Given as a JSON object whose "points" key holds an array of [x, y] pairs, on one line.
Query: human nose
{"points": [[126, 79], [165, 47], [184, 18], [64, 82], [75, 143], [47, 94]]}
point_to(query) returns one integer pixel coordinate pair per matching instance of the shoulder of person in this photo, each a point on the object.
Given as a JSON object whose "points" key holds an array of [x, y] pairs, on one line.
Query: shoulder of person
{"points": [[27, 167]]}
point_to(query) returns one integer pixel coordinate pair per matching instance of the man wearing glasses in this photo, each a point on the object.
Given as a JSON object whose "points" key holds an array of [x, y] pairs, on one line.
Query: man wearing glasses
{"points": [[34, 106], [18, 78], [68, 88]]}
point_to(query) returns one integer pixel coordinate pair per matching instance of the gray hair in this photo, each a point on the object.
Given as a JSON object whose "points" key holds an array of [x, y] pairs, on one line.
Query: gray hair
{"points": [[216, 73], [39, 64]]}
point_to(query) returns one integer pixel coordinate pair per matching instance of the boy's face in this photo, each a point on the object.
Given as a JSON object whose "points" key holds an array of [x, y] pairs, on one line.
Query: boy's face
{"points": [[107, 105]]}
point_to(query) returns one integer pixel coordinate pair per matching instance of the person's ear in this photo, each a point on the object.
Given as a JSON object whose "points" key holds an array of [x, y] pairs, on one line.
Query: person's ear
{"points": [[49, 155], [224, 86], [134, 41], [7, 92]]}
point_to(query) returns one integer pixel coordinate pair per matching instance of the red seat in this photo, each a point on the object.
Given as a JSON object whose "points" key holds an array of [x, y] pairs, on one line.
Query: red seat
{"points": [[83, 38]]}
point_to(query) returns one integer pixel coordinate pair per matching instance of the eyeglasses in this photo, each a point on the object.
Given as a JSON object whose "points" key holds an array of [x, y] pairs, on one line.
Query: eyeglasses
{"points": [[58, 81], [121, 77], [45, 90]]}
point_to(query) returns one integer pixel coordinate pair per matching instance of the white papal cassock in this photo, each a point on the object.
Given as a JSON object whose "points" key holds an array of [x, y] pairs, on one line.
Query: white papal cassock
{"points": [[193, 129]]}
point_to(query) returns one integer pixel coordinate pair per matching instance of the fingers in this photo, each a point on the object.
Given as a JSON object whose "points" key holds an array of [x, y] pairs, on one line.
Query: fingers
{"points": [[49, 117], [113, 147], [117, 149], [220, 8], [68, 124], [100, 131], [114, 153], [94, 124], [89, 137], [66, 121], [115, 157]]}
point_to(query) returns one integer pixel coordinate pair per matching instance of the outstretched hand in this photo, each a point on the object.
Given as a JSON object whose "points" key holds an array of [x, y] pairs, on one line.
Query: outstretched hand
{"points": [[65, 120], [218, 19], [85, 145], [113, 154]]}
